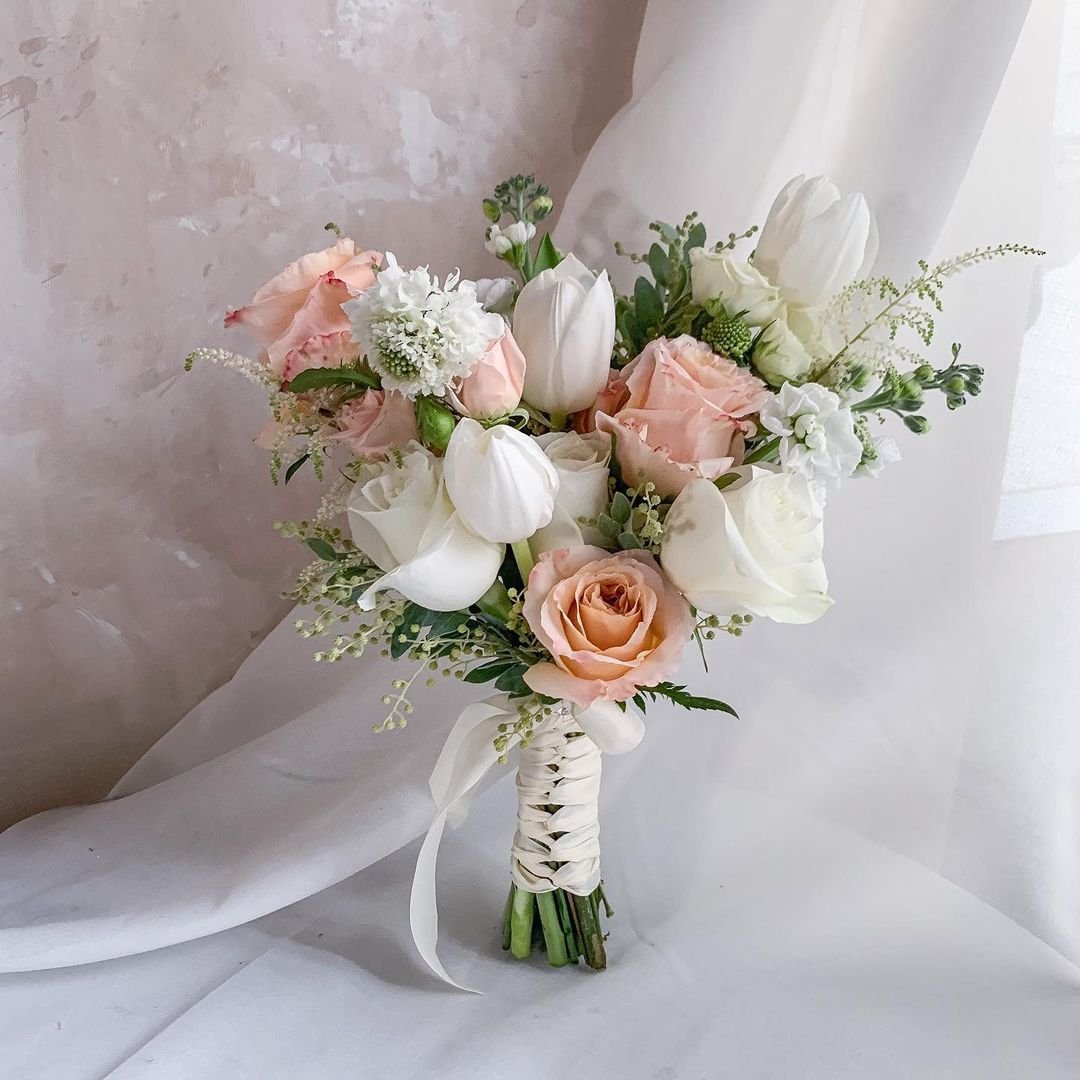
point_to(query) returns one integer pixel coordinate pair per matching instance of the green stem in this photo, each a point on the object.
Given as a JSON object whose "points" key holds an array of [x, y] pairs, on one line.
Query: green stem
{"points": [[522, 908], [573, 941], [765, 451], [558, 421], [554, 938], [524, 558], [591, 937], [507, 910]]}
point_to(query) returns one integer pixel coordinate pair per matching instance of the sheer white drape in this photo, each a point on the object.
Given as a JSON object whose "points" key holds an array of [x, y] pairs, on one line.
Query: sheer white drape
{"points": [[929, 711]]}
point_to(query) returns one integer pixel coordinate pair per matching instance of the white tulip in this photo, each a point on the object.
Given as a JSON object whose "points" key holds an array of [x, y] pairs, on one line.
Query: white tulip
{"points": [[401, 517], [814, 242], [564, 322], [741, 286], [755, 546], [501, 483], [582, 464]]}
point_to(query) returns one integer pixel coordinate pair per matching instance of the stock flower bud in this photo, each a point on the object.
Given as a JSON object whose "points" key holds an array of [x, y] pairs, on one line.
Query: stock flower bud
{"points": [[492, 210]]}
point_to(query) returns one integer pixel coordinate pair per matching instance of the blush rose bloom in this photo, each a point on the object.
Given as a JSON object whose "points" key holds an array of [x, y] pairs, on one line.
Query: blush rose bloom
{"points": [[376, 422], [612, 623], [679, 412], [296, 317], [493, 387]]}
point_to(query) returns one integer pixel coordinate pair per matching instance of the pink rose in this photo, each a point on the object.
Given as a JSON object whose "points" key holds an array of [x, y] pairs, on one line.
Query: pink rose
{"points": [[678, 412], [493, 387], [612, 623], [297, 318], [376, 422]]}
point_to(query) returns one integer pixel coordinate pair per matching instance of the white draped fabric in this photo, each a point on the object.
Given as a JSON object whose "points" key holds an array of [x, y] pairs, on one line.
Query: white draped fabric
{"points": [[851, 880]]}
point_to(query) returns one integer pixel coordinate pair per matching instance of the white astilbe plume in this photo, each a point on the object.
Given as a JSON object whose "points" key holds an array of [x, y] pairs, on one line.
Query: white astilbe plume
{"points": [[420, 336], [817, 432]]}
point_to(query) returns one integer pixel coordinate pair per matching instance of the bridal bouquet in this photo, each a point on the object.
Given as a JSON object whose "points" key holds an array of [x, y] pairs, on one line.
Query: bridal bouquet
{"points": [[544, 486]]}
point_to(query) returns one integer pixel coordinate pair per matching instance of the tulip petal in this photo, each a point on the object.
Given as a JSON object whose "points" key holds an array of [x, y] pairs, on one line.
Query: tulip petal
{"points": [[451, 574]]}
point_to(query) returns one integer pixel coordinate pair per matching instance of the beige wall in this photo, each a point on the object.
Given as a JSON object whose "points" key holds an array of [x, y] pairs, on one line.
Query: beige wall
{"points": [[157, 162]]}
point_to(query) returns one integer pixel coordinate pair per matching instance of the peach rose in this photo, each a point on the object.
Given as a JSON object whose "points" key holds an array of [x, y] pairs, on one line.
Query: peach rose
{"points": [[376, 422], [678, 412], [612, 623], [297, 318], [493, 387]]}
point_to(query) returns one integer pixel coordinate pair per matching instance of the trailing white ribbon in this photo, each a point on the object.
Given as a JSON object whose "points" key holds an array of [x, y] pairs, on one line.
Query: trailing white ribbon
{"points": [[466, 756]]}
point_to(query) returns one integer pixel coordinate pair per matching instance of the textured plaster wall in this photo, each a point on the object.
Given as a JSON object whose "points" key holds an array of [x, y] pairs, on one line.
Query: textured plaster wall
{"points": [[158, 160]]}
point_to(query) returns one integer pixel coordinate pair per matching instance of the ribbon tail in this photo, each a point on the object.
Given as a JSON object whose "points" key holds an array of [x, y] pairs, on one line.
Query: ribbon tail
{"points": [[467, 755]]}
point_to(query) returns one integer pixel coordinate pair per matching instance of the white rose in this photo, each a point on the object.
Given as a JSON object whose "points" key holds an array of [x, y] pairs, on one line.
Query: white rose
{"points": [[814, 242], [719, 276], [817, 432], [564, 322], [582, 464], [500, 481], [779, 355], [755, 546], [401, 517]]}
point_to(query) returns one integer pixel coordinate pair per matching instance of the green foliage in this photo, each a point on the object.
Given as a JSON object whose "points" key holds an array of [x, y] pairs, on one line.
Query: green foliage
{"points": [[322, 378], [291, 471], [682, 697], [547, 257]]}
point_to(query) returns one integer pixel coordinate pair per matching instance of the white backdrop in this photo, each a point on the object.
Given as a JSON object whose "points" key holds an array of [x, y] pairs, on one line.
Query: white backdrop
{"points": [[923, 732]]}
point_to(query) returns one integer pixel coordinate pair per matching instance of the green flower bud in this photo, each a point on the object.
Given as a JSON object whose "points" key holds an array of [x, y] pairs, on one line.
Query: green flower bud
{"points": [[918, 424], [955, 385], [435, 423], [858, 377], [492, 210], [539, 208], [924, 373]]}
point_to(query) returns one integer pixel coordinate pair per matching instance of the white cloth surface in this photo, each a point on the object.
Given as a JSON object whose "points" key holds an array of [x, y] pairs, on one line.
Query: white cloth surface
{"points": [[796, 950], [757, 935]]}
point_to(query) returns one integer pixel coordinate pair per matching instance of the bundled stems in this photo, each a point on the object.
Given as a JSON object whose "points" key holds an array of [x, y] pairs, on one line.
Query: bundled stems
{"points": [[569, 925]]}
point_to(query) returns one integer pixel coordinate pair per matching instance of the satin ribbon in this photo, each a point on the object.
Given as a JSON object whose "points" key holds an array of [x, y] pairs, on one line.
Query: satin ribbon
{"points": [[468, 753]]}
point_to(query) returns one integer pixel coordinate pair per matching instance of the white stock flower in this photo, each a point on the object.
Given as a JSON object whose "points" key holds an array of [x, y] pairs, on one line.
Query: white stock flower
{"points": [[742, 288], [496, 242], [817, 432], [500, 481], [564, 322], [814, 242], [521, 232], [755, 546], [877, 453], [582, 464], [417, 335], [401, 517]]}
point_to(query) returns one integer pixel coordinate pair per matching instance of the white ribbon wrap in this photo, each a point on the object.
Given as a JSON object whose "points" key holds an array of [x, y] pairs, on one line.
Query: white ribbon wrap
{"points": [[571, 740]]}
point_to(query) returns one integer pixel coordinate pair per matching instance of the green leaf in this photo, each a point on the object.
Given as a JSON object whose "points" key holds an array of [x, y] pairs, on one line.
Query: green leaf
{"points": [[648, 307], [320, 378], [620, 508], [291, 470], [547, 256], [608, 526], [447, 622], [695, 238], [321, 548], [683, 698], [628, 541], [486, 672], [659, 264], [512, 682]]}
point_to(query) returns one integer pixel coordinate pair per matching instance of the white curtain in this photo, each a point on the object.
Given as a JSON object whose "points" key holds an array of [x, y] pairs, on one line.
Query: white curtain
{"points": [[932, 712]]}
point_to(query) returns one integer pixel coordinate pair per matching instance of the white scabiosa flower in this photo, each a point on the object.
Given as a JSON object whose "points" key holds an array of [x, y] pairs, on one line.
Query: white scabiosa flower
{"points": [[817, 432], [420, 336]]}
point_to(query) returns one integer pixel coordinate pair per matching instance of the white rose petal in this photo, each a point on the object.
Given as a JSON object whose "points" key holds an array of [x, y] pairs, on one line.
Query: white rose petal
{"points": [[755, 546], [742, 288], [582, 464]]}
